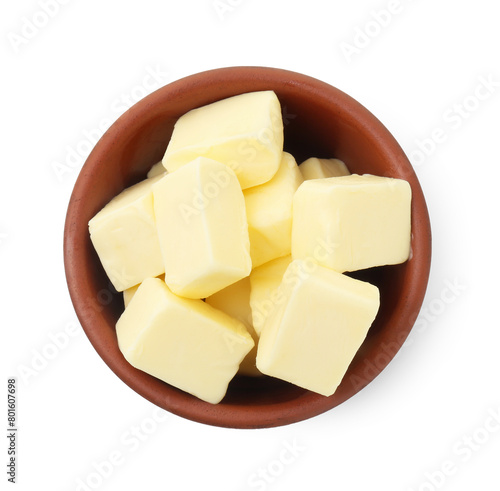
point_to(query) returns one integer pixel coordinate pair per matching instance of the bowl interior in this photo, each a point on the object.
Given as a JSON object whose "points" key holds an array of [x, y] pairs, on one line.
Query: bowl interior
{"points": [[319, 121]]}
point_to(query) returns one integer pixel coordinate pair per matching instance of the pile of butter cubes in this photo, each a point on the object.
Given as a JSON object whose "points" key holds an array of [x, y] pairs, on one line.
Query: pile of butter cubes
{"points": [[230, 256]]}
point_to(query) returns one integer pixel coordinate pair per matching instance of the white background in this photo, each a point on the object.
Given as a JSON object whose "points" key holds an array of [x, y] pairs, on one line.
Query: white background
{"points": [[422, 70]]}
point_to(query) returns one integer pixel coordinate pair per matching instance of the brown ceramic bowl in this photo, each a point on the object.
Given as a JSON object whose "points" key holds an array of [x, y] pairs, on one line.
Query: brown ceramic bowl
{"points": [[320, 121]]}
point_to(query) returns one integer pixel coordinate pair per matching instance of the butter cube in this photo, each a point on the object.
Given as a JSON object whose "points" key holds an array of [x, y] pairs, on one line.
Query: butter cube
{"points": [[312, 337], [264, 294], [183, 342], [202, 227], [234, 300], [314, 168], [124, 236], [130, 292], [269, 213], [157, 170], [244, 132], [352, 222]]}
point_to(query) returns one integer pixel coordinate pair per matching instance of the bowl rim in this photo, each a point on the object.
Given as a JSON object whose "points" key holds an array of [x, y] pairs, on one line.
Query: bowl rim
{"points": [[233, 415]]}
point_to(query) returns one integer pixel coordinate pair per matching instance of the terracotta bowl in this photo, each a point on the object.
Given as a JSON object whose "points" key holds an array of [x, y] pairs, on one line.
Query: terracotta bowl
{"points": [[320, 121]]}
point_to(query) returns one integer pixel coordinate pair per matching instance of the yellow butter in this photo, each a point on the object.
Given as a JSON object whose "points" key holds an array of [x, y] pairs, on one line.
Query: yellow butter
{"points": [[202, 227], [264, 293], [156, 170], [181, 341], [234, 300], [352, 222], [313, 335], [130, 292], [269, 213], [244, 132], [124, 236], [315, 168]]}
